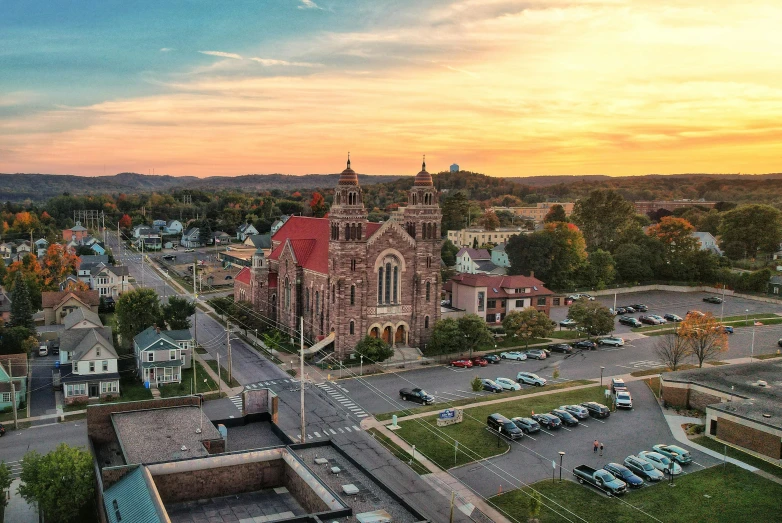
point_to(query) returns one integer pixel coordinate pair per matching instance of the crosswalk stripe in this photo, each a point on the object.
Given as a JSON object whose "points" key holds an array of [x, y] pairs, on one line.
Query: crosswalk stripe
{"points": [[348, 429], [357, 428], [362, 415], [340, 430], [317, 434], [333, 432]]}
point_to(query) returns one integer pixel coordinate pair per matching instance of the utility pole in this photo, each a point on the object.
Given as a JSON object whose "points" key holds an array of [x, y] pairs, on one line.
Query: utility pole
{"points": [[13, 394], [104, 227], [195, 334], [219, 381], [228, 345], [301, 379], [142, 261]]}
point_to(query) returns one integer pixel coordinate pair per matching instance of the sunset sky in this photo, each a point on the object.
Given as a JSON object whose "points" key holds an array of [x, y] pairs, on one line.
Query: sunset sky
{"points": [[502, 87]]}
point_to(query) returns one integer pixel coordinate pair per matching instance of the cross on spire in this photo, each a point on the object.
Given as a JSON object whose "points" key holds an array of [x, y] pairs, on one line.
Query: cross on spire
{"points": [[423, 165], [348, 159]]}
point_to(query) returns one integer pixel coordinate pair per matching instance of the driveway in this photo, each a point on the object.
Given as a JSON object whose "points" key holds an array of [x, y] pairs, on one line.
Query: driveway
{"points": [[40, 386], [623, 433]]}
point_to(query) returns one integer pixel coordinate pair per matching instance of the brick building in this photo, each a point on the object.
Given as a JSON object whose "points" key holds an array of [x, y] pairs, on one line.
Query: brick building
{"points": [[743, 402], [349, 277], [670, 205], [492, 297]]}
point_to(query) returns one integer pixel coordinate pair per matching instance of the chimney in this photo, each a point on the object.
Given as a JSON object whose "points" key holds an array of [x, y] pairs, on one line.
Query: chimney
{"points": [[531, 274], [157, 329]]}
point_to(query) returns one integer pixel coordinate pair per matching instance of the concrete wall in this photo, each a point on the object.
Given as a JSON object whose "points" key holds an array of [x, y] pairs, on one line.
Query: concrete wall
{"points": [[303, 492], [99, 427], [690, 396], [670, 288]]}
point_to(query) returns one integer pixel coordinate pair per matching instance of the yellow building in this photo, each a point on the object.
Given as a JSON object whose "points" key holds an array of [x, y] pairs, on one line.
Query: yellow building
{"points": [[536, 213], [466, 237]]}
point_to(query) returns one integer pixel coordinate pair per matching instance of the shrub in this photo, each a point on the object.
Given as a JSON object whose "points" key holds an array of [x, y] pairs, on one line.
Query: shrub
{"points": [[476, 384]]}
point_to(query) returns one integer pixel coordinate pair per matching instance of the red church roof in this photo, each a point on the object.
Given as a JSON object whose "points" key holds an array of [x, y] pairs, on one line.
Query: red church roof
{"points": [[243, 276]]}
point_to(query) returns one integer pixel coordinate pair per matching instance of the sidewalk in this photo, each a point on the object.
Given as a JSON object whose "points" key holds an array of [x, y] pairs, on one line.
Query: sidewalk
{"points": [[212, 374]]}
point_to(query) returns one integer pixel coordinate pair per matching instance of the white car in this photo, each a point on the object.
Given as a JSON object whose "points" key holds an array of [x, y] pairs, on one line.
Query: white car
{"points": [[513, 355], [613, 341], [658, 318], [660, 462], [529, 378], [507, 384], [623, 399], [189, 250], [576, 410], [43, 350]]}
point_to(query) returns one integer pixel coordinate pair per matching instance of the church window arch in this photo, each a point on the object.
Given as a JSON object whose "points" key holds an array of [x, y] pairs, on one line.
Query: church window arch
{"points": [[307, 299], [388, 280], [317, 303], [426, 322], [352, 327], [352, 294], [287, 294], [428, 291]]}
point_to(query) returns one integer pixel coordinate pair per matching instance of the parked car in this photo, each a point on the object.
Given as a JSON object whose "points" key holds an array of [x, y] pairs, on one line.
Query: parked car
{"points": [[548, 421], [596, 410], [779, 342], [492, 358], [660, 462], [43, 350], [623, 399], [585, 345], [2, 430], [658, 318], [587, 296], [566, 417], [632, 322], [490, 385], [672, 317], [513, 355], [617, 383], [601, 479], [629, 310], [464, 364], [694, 313], [613, 341], [169, 257], [499, 423], [527, 425], [728, 329], [535, 354], [567, 322], [54, 345], [712, 299], [674, 452], [640, 307], [643, 468], [528, 378], [648, 320], [416, 395], [189, 250], [507, 384], [478, 361], [576, 410], [621, 310], [625, 474], [560, 347], [582, 295]]}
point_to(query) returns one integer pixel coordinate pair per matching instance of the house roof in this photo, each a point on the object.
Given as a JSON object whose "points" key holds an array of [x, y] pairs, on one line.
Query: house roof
{"points": [[475, 254], [77, 228], [180, 334], [5, 302], [485, 265], [121, 270], [311, 254], [92, 339], [152, 339], [261, 241], [172, 222], [245, 226], [54, 298], [134, 499], [775, 280], [80, 315], [499, 247], [496, 285], [15, 365], [243, 276], [191, 231], [218, 234], [94, 258]]}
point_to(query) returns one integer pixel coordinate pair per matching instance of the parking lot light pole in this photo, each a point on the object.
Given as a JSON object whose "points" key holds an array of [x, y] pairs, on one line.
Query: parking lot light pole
{"points": [[752, 347], [561, 455], [601, 376], [746, 317]]}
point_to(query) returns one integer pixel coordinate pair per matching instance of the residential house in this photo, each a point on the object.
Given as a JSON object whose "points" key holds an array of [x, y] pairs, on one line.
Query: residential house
{"points": [[476, 261], [88, 364], [147, 238], [161, 355], [707, 242], [173, 227], [492, 297], [41, 246], [221, 238], [7, 250], [499, 257], [23, 248], [71, 283], [82, 319], [109, 280], [5, 307], [774, 285], [57, 304], [191, 238], [76, 233], [260, 241], [160, 225], [245, 230], [87, 262], [279, 223], [13, 367]]}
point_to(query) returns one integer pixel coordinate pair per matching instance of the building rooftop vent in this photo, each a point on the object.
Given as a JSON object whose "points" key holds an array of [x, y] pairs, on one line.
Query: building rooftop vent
{"points": [[762, 383], [766, 415]]}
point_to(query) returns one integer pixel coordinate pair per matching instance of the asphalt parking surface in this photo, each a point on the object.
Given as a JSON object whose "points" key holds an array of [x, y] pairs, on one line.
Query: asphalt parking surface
{"points": [[625, 432]]}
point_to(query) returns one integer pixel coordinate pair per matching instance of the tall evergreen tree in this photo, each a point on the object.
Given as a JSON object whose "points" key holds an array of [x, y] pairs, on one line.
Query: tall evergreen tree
{"points": [[21, 305]]}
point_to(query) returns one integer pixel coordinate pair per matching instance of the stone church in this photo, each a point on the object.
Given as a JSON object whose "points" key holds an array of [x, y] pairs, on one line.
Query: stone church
{"points": [[351, 277]]}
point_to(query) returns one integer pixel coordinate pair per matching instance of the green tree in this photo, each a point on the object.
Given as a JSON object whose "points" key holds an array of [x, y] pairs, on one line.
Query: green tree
{"points": [[476, 384], [632, 264], [5, 484], [205, 232], [60, 482], [602, 217], [177, 312], [601, 269], [136, 310], [15, 339], [533, 506], [556, 254], [448, 253], [758, 228], [374, 349], [455, 209], [445, 338], [527, 324], [21, 305], [556, 214], [592, 317], [710, 222], [474, 332]]}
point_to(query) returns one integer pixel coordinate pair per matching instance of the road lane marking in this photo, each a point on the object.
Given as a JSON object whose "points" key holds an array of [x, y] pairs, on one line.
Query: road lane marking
{"points": [[317, 434]]}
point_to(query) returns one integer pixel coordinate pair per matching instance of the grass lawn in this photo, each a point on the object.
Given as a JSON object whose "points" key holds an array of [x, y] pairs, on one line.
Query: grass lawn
{"points": [[654, 384], [658, 370], [475, 442], [131, 389], [223, 374], [478, 399], [398, 452], [566, 335], [185, 388], [739, 455], [767, 356], [713, 495]]}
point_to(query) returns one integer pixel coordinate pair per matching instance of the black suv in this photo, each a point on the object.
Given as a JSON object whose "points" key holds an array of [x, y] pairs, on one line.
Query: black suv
{"points": [[416, 395], [632, 322], [560, 347], [527, 425], [499, 423], [596, 410], [566, 417], [712, 299], [625, 474], [548, 421], [640, 307], [585, 345]]}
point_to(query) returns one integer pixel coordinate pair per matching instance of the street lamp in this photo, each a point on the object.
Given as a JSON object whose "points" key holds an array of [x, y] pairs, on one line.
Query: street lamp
{"points": [[752, 347], [361, 372], [601, 376], [561, 455], [746, 316]]}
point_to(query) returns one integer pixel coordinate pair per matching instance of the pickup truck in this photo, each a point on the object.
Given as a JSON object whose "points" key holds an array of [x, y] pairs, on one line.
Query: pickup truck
{"points": [[601, 479], [416, 395]]}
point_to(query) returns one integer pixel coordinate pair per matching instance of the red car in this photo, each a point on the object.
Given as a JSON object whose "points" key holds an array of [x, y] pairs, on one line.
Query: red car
{"points": [[465, 364], [477, 361]]}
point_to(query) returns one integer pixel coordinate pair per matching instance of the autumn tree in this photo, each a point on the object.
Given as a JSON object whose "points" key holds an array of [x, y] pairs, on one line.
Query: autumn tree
{"points": [[527, 324], [675, 235], [57, 264], [125, 222], [602, 217], [489, 220], [318, 205], [704, 335], [592, 317], [26, 222], [32, 274], [671, 349], [556, 214]]}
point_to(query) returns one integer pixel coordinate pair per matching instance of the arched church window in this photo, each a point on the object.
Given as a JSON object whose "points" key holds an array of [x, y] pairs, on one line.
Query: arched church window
{"points": [[428, 291], [388, 291]]}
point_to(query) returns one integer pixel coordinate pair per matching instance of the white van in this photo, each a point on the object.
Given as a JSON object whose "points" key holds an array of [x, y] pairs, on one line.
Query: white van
{"points": [[43, 350]]}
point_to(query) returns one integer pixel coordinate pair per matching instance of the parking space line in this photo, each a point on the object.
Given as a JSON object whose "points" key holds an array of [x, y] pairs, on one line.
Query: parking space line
{"points": [[584, 425], [547, 432], [530, 437], [567, 429], [696, 463], [599, 421]]}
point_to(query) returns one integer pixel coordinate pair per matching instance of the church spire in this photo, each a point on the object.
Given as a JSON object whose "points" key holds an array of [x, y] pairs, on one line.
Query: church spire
{"points": [[423, 165], [348, 159]]}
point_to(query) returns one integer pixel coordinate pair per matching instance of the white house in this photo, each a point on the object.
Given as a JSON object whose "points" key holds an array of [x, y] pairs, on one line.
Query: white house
{"points": [[109, 280], [191, 238], [476, 261], [245, 230], [707, 242], [88, 364], [279, 223], [173, 227], [41, 246], [161, 355]]}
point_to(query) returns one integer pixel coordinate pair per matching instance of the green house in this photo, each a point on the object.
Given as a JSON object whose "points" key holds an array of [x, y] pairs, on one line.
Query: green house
{"points": [[12, 366]]}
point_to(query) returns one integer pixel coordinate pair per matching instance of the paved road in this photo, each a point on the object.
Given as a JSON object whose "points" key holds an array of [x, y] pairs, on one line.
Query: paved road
{"points": [[43, 439], [40, 386]]}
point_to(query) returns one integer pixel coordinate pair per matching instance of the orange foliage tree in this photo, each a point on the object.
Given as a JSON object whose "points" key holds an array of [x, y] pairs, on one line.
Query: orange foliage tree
{"points": [[125, 222], [705, 336], [57, 264]]}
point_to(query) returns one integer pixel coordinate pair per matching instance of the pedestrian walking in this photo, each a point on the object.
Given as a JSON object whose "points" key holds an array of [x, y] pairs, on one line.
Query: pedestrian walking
{"points": [[601, 449], [596, 444]]}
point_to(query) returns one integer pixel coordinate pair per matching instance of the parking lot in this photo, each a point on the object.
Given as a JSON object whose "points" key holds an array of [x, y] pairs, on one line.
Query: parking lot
{"points": [[530, 459]]}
